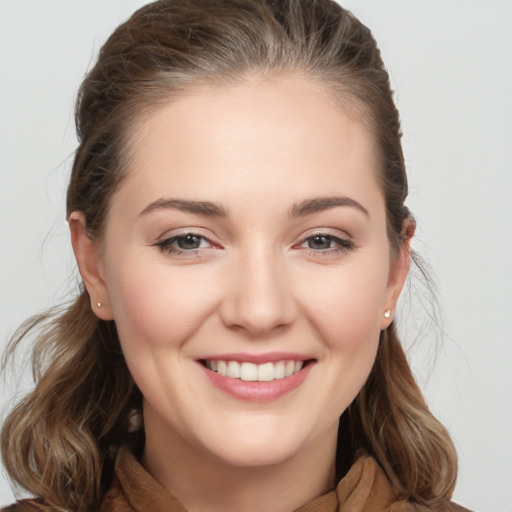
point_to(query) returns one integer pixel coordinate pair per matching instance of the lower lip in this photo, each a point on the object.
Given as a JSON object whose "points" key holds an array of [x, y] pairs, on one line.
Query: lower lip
{"points": [[257, 391]]}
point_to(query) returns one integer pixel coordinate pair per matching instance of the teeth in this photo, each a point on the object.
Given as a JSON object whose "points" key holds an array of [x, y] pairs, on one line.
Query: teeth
{"points": [[251, 372], [266, 372], [279, 370], [221, 368], [233, 370], [248, 371]]}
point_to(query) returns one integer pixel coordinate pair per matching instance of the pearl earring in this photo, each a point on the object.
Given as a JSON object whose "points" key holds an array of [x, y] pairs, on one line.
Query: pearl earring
{"points": [[387, 313], [99, 304]]}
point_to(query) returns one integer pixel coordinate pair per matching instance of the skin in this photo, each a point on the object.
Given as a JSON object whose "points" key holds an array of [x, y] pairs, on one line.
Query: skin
{"points": [[259, 283]]}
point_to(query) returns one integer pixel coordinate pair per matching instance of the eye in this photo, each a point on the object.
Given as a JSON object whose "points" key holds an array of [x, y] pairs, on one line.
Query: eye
{"points": [[323, 243], [319, 242], [186, 242]]}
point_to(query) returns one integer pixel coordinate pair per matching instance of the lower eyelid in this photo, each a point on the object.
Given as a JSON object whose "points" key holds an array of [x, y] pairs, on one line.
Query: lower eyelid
{"points": [[331, 251]]}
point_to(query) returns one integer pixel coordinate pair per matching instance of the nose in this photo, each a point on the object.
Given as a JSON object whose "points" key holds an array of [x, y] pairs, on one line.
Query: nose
{"points": [[258, 297]]}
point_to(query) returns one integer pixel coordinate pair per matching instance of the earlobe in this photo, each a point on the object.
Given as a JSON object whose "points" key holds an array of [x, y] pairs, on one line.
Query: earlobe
{"points": [[89, 260]]}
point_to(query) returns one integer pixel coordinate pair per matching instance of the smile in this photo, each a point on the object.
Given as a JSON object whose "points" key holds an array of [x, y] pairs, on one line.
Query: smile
{"points": [[256, 378], [251, 372]]}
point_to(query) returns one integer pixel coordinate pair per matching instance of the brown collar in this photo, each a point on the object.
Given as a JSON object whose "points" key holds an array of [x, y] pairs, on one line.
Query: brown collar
{"points": [[364, 488]]}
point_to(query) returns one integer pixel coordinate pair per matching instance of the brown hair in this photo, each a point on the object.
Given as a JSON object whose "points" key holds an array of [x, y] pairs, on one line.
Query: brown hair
{"points": [[60, 441]]}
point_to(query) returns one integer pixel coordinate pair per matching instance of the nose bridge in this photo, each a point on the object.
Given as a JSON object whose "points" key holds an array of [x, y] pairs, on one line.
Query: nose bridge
{"points": [[260, 297]]}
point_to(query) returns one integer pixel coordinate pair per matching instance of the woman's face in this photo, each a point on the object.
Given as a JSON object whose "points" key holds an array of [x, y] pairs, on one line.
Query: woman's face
{"points": [[246, 265]]}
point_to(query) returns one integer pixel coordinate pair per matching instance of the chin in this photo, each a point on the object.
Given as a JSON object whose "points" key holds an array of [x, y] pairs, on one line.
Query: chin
{"points": [[256, 456], [253, 450]]}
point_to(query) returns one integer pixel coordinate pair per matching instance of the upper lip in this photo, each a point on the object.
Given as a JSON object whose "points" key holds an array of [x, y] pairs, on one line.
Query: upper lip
{"points": [[269, 357]]}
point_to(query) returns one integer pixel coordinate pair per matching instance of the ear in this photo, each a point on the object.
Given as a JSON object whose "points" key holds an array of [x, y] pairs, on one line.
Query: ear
{"points": [[398, 270], [90, 264]]}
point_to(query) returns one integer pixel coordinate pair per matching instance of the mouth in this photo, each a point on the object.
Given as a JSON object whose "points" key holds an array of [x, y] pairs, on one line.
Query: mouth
{"points": [[252, 372]]}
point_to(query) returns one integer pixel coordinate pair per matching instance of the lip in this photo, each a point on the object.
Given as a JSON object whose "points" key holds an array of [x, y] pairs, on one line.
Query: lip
{"points": [[257, 391]]}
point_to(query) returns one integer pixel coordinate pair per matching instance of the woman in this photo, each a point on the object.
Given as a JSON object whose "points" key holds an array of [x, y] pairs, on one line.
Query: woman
{"points": [[237, 213]]}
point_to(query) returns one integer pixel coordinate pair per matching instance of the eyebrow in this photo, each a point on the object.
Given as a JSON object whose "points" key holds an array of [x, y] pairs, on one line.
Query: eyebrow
{"points": [[197, 207], [319, 204], [209, 209]]}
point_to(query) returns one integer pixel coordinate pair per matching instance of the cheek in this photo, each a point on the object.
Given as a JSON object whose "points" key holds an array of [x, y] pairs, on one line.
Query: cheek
{"points": [[155, 307], [347, 305]]}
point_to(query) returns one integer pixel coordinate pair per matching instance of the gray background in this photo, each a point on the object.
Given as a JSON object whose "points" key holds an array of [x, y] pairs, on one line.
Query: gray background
{"points": [[450, 64]]}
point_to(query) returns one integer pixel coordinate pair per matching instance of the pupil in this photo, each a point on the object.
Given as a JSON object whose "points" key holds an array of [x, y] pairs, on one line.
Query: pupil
{"points": [[189, 242], [319, 242]]}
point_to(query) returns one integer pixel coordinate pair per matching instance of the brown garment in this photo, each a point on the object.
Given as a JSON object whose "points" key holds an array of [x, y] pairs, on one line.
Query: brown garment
{"points": [[365, 488]]}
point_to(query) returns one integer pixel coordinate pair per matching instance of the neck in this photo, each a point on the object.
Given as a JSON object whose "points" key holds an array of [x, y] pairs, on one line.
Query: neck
{"points": [[203, 482]]}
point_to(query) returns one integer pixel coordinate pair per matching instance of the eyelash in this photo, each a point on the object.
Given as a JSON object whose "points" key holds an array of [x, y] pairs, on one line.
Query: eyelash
{"points": [[167, 244], [342, 244]]}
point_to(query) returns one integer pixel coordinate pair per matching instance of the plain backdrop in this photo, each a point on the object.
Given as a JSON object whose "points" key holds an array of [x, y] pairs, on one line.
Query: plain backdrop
{"points": [[450, 65]]}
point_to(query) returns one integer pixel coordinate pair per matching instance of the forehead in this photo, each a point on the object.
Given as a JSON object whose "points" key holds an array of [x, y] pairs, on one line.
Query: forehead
{"points": [[253, 139]]}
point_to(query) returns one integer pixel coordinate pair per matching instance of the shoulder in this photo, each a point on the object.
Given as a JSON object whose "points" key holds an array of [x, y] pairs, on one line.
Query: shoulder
{"points": [[366, 482], [447, 506], [409, 506], [29, 505]]}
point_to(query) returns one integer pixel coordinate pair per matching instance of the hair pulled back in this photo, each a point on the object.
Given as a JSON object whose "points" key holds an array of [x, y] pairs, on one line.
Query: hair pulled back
{"points": [[59, 443]]}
